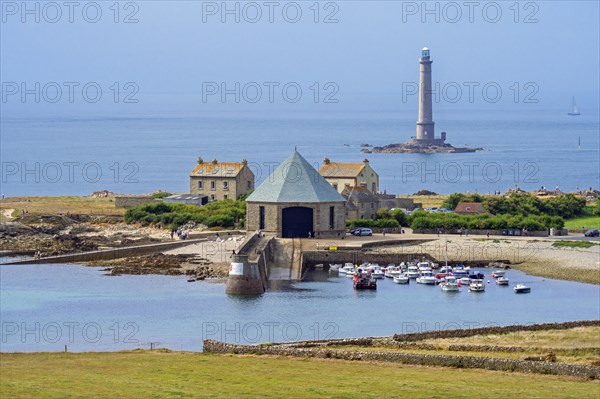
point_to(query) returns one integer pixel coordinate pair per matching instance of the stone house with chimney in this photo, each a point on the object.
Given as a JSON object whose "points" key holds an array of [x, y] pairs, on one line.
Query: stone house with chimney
{"points": [[221, 180], [342, 175]]}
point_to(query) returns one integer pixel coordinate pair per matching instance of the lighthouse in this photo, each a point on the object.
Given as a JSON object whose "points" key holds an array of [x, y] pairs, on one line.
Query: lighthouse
{"points": [[425, 125]]}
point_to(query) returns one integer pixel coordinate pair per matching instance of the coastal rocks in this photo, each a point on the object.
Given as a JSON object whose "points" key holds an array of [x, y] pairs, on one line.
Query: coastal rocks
{"points": [[204, 272], [401, 148], [425, 192], [169, 265]]}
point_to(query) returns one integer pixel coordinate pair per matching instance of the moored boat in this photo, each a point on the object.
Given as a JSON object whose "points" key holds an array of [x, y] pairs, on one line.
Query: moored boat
{"points": [[477, 286], [498, 273], [522, 289], [450, 284], [412, 272], [426, 277], [402, 279], [363, 283], [502, 281]]}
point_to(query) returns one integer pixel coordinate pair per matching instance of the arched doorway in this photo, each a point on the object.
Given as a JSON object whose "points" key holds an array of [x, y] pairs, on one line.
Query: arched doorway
{"points": [[296, 222]]}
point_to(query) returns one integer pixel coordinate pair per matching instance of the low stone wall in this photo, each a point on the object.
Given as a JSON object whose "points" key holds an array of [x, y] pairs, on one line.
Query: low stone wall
{"points": [[524, 366], [483, 232], [131, 202], [109, 254], [462, 333]]}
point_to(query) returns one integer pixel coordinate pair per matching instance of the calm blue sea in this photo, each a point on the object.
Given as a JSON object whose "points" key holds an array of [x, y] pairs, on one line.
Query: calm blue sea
{"points": [[45, 307], [139, 154]]}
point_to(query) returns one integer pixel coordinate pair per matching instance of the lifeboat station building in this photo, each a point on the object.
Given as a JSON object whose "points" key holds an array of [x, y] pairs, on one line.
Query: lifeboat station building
{"points": [[296, 202]]}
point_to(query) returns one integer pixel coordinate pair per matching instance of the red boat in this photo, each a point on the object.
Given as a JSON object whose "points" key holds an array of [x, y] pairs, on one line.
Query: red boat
{"points": [[364, 283]]}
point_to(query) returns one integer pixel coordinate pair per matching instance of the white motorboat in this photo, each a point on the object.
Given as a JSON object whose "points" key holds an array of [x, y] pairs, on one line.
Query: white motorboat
{"points": [[393, 271], [502, 281], [424, 266], [377, 273], [426, 277], [465, 281], [335, 266], [445, 270], [319, 266], [412, 272], [348, 268], [477, 286], [402, 279], [498, 273], [450, 284], [522, 289]]}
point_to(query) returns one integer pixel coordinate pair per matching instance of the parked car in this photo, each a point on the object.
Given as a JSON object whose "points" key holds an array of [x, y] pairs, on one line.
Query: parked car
{"points": [[362, 232], [592, 233]]}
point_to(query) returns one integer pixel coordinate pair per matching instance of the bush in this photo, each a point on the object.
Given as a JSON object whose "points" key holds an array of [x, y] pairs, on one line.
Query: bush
{"points": [[451, 221], [224, 213]]}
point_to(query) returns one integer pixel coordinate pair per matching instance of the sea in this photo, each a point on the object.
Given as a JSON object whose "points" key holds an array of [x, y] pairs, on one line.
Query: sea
{"points": [[155, 148]]}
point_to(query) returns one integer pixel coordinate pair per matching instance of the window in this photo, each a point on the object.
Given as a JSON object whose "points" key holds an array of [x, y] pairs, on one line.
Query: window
{"points": [[213, 185], [335, 186], [200, 185], [331, 217], [372, 205], [373, 187], [261, 218], [225, 196], [225, 185], [249, 184], [212, 197]]}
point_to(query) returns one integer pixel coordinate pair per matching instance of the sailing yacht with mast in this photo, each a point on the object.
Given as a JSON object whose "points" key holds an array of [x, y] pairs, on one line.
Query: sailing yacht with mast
{"points": [[574, 109]]}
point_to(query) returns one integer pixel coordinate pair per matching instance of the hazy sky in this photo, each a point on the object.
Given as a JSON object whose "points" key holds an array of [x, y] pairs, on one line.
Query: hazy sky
{"points": [[369, 49]]}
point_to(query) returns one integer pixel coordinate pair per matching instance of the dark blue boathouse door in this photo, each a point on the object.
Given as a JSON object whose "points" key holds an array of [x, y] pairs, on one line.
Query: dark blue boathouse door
{"points": [[296, 222]]}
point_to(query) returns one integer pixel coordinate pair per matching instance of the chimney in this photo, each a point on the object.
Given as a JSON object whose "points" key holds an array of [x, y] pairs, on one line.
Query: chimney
{"points": [[244, 162], [200, 161], [365, 160], [214, 162], [326, 161]]}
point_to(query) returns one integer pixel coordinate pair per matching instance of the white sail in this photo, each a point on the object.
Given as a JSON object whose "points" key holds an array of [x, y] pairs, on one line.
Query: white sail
{"points": [[574, 109]]}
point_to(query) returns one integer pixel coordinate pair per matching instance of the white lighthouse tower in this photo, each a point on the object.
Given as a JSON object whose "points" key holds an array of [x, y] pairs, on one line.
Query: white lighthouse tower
{"points": [[425, 125]]}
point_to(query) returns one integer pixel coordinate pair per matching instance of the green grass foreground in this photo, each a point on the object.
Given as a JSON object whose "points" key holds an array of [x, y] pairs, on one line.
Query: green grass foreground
{"points": [[164, 374]]}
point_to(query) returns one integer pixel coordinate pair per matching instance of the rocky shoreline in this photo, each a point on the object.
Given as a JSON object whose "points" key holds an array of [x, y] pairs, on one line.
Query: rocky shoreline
{"points": [[401, 148], [162, 264]]}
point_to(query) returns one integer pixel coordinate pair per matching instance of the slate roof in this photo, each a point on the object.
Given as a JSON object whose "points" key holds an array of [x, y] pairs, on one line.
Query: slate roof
{"points": [[295, 180], [359, 194]]}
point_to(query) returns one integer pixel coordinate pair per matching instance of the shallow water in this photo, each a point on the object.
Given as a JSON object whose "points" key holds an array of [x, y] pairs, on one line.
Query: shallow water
{"points": [[45, 307]]}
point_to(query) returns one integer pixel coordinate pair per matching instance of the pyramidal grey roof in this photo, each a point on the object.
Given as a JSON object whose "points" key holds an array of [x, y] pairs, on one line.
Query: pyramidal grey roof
{"points": [[295, 180]]}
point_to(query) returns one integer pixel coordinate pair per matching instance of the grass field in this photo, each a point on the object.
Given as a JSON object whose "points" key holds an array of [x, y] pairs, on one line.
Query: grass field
{"points": [[573, 244], [574, 346], [573, 338], [55, 205], [589, 222], [428, 201], [161, 374]]}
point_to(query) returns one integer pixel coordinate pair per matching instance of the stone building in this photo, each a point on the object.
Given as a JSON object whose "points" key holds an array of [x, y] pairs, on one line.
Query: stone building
{"points": [[361, 203], [340, 175], [221, 180], [295, 201]]}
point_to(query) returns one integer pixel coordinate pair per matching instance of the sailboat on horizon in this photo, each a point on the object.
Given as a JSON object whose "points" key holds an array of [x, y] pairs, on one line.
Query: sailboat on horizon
{"points": [[574, 109]]}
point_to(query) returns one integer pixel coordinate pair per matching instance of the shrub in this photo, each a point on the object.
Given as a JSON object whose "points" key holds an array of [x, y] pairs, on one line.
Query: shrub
{"points": [[216, 214]]}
